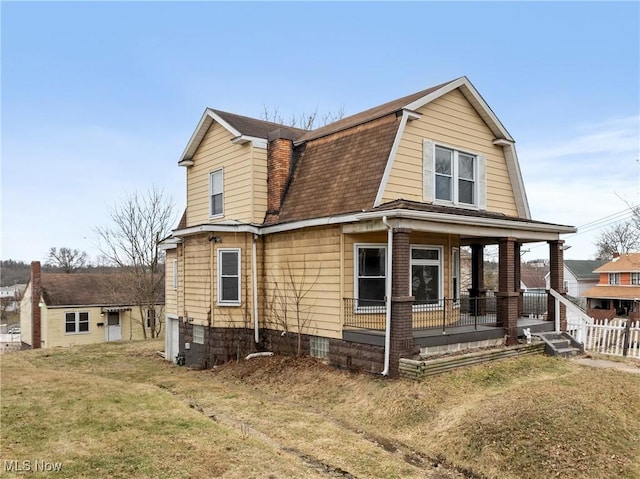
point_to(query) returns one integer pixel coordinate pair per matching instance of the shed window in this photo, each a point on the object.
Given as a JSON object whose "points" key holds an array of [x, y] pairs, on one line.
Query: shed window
{"points": [[76, 322]]}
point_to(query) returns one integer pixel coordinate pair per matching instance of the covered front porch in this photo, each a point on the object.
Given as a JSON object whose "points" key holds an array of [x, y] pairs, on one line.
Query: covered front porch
{"points": [[404, 316]]}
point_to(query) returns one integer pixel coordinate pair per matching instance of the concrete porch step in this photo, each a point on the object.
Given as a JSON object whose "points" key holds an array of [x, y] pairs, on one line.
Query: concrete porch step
{"points": [[560, 344]]}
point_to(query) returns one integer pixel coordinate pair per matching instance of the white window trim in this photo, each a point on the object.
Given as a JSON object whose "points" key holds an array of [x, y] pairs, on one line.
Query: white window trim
{"points": [[175, 273], [479, 176], [356, 292], [637, 279], [147, 317], [237, 302], [77, 323], [428, 307], [211, 173], [616, 282]]}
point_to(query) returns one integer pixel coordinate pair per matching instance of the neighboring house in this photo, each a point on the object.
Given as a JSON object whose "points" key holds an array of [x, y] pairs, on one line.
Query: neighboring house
{"points": [[617, 293], [63, 309], [579, 276], [349, 235], [10, 297]]}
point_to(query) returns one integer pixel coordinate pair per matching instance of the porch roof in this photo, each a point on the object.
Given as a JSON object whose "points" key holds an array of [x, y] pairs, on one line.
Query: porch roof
{"points": [[470, 224], [613, 292]]}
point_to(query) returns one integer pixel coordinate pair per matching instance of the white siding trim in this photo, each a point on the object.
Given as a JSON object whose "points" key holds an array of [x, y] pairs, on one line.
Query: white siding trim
{"points": [[481, 185], [392, 156], [428, 178], [515, 175]]}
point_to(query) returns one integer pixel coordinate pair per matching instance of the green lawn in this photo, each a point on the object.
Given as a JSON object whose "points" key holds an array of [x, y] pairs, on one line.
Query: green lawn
{"points": [[119, 410]]}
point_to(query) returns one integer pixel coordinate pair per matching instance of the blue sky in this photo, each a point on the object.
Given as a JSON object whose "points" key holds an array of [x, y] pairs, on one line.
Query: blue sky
{"points": [[99, 99]]}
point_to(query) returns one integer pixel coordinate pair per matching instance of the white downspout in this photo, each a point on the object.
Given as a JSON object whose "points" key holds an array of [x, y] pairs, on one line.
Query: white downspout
{"points": [[387, 331], [254, 287]]}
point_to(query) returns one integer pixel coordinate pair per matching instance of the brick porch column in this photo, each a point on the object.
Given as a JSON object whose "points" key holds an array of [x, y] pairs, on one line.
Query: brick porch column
{"points": [[401, 302], [507, 295], [517, 268], [477, 292], [556, 281]]}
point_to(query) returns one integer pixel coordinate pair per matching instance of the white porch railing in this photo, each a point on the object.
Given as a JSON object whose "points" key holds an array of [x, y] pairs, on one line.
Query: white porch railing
{"points": [[605, 337]]}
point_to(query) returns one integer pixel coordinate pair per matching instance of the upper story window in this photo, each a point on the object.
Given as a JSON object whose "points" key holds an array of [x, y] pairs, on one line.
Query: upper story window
{"points": [[614, 278], [635, 279], [370, 274], [216, 193], [229, 276], [454, 177], [426, 274]]}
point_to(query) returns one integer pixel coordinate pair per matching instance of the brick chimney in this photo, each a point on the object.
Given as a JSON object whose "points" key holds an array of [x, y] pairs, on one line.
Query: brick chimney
{"points": [[279, 155], [36, 294], [616, 255]]}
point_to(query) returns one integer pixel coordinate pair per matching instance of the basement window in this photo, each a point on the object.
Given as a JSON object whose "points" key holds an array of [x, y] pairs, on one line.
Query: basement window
{"points": [[198, 334], [319, 347]]}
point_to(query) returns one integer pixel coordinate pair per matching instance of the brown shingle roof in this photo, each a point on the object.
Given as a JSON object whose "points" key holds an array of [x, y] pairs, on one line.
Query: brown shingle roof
{"points": [[84, 289], [402, 204], [368, 115], [613, 292], [623, 264], [257, 128], [340, 173]]}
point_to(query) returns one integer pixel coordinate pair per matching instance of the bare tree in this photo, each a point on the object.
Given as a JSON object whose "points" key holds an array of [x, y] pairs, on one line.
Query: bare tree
{"points": [[303, 120], [67, 259], [290, 300], [139, 223], [619, 238]]}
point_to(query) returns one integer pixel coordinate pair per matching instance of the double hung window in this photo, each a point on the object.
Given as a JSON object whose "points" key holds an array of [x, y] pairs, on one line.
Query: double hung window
{"points": [[216, 193], [229, 276], [76, 322], [455, 176], [426, 270], [370, 274]]}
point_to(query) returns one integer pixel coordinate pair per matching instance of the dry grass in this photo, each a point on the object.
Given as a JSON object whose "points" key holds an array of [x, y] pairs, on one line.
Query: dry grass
{"points": [[118, 410]]}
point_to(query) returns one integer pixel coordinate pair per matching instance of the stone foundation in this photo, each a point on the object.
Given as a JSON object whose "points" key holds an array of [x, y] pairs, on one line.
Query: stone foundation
{"points": [[228, 344]]}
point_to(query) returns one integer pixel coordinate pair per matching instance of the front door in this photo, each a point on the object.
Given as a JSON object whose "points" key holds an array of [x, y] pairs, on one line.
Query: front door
{"points": [[113, 331]]}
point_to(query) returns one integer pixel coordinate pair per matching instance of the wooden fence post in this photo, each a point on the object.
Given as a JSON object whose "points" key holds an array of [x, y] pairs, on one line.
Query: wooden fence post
{"points": [[627, 338]]}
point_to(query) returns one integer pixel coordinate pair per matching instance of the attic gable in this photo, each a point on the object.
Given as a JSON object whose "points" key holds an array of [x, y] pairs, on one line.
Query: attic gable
{"points": [[242, 128]]}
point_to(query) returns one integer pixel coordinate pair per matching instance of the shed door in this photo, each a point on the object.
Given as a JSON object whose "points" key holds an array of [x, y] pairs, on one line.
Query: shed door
{"points": [[172, 345], [113, 331]]}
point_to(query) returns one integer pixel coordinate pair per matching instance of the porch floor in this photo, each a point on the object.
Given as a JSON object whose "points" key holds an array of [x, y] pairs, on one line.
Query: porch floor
{"points": [[452, 335]]}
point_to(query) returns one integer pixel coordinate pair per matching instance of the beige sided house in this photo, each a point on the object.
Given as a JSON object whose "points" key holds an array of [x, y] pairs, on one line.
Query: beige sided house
{"points": [[350, 235], [61, 309]]}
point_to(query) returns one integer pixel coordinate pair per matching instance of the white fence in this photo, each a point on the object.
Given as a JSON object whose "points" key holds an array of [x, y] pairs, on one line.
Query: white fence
{"points": [[607, 336]]}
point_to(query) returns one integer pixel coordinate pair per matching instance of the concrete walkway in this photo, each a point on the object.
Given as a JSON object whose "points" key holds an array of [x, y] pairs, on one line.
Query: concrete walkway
{"points": [[603, 363]]}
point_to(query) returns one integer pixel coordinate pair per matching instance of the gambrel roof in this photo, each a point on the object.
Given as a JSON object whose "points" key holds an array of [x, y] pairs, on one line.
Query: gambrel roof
{"points": [[341, 168]]}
